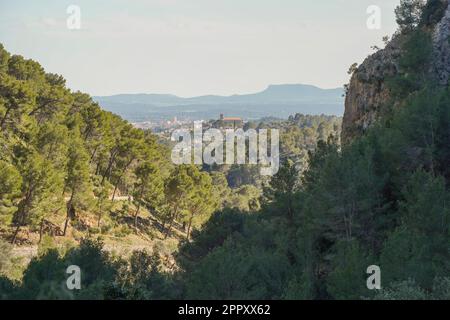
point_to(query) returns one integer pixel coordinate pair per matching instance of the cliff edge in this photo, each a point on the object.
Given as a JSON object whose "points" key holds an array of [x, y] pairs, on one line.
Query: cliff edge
{"points": [[368, 91]]}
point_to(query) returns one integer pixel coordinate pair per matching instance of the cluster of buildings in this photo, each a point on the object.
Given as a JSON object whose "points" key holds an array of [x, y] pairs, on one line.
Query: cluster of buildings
{"points": [[225, 123], [167, 126]]}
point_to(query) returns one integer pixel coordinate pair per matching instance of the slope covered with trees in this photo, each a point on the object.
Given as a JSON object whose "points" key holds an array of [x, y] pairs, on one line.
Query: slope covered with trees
{"points": [[380, 199], [64, 163], [70, 171]]}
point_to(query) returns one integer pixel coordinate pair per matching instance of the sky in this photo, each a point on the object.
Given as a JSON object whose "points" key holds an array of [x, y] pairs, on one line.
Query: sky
{"points": [[194, 47]]}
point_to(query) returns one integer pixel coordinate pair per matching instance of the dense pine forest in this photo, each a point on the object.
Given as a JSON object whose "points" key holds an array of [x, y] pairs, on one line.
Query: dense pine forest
{"points": [[380, 198], [74, 177]]}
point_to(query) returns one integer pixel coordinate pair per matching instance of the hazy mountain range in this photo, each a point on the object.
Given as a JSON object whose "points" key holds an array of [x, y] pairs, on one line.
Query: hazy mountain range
{"points": [[275, 101]]}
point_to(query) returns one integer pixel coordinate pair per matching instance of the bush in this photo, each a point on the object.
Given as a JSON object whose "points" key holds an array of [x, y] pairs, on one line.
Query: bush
{"points": [[5, 256]]}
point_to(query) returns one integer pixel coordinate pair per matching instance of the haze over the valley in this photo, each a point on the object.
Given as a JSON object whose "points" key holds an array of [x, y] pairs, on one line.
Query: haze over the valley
{"points": [[278, 101]]}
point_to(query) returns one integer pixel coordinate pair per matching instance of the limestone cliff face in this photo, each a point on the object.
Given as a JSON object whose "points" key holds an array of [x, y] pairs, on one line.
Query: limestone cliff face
{"points": [[367, 91], [441, 49]]}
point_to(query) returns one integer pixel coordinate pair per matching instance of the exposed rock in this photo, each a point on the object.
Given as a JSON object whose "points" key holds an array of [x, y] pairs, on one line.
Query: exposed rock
{"points": [[367, 91], [441, 49]]}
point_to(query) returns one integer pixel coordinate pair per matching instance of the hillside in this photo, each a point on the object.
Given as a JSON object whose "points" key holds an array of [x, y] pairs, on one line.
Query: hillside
{"points": [[371, 87], [74, 177], [378, 202]]}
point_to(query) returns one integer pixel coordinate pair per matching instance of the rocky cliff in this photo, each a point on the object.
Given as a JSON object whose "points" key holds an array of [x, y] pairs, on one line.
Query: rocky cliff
{"points": [[368, 91], [441, 49]]}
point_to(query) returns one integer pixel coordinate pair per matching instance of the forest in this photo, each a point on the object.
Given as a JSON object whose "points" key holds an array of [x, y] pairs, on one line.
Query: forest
{"points": [[309, 232]]}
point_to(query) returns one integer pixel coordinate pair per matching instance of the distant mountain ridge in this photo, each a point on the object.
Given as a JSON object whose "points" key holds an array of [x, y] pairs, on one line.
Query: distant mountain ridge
{"points": [[275, 100]]}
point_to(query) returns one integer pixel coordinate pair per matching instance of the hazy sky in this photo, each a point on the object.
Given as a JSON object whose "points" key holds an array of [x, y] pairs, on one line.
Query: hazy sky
{"points": [[194, 47]]}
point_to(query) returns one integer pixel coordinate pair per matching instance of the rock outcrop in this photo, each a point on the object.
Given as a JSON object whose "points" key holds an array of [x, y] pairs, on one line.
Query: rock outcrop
{"points": [[441, 50], [367, 91]]}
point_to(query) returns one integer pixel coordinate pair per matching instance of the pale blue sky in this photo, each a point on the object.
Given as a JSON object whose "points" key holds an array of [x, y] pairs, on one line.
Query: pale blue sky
{"points": [[194, 47]]}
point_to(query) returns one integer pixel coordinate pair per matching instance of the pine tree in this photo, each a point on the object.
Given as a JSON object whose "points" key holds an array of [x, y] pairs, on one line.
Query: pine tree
{"points": [[148, 189], [77, 181]]}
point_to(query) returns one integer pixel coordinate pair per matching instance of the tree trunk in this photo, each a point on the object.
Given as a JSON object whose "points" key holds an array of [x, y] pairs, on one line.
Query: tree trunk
{"points": [[4, 118], [87, 132], [97, 169], [188, 234], [114, 192], [120, 178], [99, 219], [99, 212], [93, 154], [172, 219], [21, 213], [41, 230], [136, 218], [69, 214], [108, 169], [13, 241], [66, 224], [64, 189], [169, 229]]}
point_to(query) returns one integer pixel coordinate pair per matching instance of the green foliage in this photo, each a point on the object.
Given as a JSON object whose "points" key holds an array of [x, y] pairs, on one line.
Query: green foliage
{"points": [[44, 278], [432, 12], [380, 200], [405, 290], [5, 256], [102, 276], [245, 198], [413, 64], [148, 189], [408, 14], [10, 185], [7, 288], [46, 244], [77, 181], [418, 248], [347, 280], [143, 279], [40, 182], [235, 272], [383, 200], [189, 194], [281, 196], [61, 154], [217, 229], [417, 48]]}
